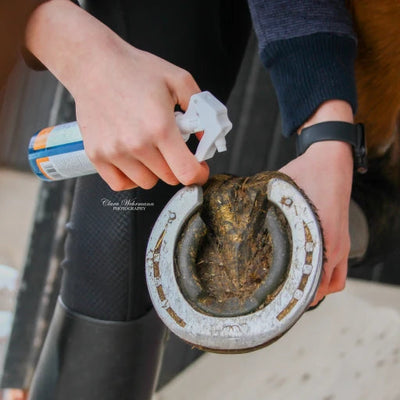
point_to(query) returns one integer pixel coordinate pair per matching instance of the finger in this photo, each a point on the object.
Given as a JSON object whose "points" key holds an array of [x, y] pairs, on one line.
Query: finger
{"points": [[318, 297], [334, 280], [314, 306], [338, 279], [325, 279], [324, 284], [155, 162], [114, 177], [182, 162], [137, 172], [199, 135], [333, 260], [183, 86]]}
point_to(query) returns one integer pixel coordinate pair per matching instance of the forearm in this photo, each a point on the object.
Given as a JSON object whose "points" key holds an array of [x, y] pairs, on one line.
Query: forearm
{"points": [[69, 41]]}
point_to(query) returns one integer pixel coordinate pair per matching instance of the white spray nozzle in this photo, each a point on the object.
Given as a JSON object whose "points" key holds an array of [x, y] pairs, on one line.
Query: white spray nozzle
{"points": [[205, 113]]}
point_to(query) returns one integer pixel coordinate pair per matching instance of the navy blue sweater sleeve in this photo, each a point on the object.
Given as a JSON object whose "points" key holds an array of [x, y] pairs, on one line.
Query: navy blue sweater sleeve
{"points": [[309, 47]]}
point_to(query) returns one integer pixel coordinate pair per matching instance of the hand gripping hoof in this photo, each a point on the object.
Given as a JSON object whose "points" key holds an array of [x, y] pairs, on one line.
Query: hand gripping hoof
{"points": [[233, 272]]}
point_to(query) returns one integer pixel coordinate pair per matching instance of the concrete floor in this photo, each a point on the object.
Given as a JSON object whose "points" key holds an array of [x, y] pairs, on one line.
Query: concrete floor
{"points": [[347, 349]]}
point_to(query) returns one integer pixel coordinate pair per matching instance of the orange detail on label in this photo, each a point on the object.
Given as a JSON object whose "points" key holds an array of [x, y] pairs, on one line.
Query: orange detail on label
{"points": [[41, 138], [39, 164]]}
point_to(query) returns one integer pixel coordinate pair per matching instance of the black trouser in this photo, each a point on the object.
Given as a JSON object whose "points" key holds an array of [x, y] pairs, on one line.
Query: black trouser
{"points": [[104, 275], [104, 265]]}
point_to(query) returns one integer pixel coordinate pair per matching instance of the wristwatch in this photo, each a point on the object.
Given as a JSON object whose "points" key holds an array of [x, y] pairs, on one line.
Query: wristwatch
{"points": [[336, 130]]}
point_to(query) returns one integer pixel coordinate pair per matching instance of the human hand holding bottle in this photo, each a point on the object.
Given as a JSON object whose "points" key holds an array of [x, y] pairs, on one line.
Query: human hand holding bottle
{"points": [[125, 98]]}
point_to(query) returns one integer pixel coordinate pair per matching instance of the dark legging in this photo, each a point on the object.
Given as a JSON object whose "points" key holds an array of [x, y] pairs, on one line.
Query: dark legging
{"points": [[105, 251]]}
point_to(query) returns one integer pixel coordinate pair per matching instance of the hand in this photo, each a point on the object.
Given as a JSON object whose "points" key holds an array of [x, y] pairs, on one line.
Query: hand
{"points": [[133, 139], [125, 98], [325, 173]]}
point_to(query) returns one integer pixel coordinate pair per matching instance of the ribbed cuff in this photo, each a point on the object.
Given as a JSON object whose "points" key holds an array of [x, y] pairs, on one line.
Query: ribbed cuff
{"points": [[308, 70]]}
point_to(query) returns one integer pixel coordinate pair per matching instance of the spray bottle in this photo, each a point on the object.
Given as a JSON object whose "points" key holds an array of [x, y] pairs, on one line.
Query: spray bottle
{"points": [[57, 153]]}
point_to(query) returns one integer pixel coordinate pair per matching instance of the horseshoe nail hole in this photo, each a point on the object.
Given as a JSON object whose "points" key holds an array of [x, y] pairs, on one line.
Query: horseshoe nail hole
{"points": [[309, 247], [307, 269], [298, 294]]}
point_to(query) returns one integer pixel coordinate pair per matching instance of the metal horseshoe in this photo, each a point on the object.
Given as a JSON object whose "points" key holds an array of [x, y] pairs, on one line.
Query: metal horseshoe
{"points": [[254, 328]]}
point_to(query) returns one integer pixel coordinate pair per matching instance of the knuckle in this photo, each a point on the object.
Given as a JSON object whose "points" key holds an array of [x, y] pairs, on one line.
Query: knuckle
{"points": [[158, 129], [113, 151], [119, 185], [94, 154], [116, 186], [171, 180], [339, 248], [187, 177], [149, 183], [106, 151], [186, 77], [123, 146], [135, 147], [168, 177]]}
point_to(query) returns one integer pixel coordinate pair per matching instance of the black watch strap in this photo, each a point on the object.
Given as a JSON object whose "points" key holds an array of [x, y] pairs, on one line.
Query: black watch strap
{"points": [[336, 130]]}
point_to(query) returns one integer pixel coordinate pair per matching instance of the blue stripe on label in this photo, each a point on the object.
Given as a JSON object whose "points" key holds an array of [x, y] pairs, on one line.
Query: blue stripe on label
{"points": [[52, 151], [33, 155]]}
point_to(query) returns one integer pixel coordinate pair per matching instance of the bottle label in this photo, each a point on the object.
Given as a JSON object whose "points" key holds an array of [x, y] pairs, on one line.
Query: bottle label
{"points": [[57, 153], [64, 134], [67, 165]]}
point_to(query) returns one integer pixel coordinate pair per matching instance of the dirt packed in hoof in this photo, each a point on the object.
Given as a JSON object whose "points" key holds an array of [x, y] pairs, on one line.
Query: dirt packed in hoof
{"points": [[236, 253]]}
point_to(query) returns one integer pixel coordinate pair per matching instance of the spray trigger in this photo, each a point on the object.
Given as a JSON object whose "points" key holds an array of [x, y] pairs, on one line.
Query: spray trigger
{"points": [[205, 113]]}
